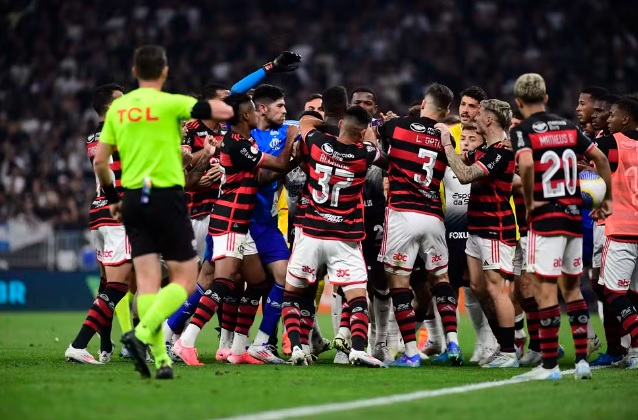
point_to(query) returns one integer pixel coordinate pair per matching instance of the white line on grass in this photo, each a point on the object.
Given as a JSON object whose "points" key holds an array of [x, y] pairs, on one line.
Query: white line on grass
{"points": [[313, 410]]}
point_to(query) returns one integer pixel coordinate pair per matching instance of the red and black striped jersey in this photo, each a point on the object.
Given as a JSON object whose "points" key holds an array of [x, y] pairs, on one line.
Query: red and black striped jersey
{"points": [[417, 165], [556, 145], [336, 174], [99, 213], [302, 203], [489, 212], [521, 213], [239, 159], [195, 132]]}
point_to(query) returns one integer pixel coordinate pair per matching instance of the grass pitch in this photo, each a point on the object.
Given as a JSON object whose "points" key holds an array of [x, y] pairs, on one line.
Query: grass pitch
{"points": [[37, 383]]}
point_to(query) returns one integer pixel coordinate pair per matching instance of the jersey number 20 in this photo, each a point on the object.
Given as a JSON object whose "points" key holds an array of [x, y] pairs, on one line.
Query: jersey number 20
{"points": [[569, 161]]}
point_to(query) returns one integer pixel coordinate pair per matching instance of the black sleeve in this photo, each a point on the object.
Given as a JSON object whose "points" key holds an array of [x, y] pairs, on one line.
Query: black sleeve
{"points": [[245, 155]]}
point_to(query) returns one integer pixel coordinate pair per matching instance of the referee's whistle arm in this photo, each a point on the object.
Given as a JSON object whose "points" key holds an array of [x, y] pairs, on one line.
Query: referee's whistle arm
{"points": [[220, 110]]}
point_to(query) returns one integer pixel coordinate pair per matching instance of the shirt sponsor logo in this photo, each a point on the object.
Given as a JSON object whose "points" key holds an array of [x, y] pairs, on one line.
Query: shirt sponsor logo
{"points": [[539, 127], [332, 218], [249, 154], [458, 235], [420, 128]]}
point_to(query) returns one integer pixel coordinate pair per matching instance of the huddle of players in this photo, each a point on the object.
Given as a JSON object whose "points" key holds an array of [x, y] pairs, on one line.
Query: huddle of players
{"points": [[336, 151]]}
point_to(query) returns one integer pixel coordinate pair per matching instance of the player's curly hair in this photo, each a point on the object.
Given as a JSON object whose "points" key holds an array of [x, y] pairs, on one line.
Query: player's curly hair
{"points": [[501, 110], [530, 88]]}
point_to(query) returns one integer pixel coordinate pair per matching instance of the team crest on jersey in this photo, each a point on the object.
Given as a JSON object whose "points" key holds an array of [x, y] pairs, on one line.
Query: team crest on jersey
{"points": [[327, 148], [275, 143], [253, 150], [420, 128], [539, 127]]}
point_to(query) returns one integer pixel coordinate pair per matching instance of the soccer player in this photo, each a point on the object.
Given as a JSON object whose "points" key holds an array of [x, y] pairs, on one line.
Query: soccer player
{"points": [[586, 100], [332, 228], [491, 223], [600, 114], [314, 103], [547, 148], [374, 218], [240, 159], [197, 132], [206, 190], [153, 181], [112, 248], [414, 220], [468, 109], [265, 243], [456, 198], [620, 250]]}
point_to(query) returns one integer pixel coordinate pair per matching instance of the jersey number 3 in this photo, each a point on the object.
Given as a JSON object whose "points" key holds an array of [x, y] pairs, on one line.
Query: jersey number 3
{"points": [[328, 172], [428, 166]]}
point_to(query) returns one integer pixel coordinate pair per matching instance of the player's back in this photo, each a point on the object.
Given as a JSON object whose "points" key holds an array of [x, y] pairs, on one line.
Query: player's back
{"points": [[417, 165], [145, 125], [556, 145], [336, 173]]}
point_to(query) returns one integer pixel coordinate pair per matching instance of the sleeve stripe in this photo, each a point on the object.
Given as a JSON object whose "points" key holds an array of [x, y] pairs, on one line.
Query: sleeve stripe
{"points": [[483, 168], [519, 151]]}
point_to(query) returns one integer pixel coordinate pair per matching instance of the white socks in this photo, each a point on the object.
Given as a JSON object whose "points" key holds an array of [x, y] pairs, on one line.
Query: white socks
{"points": [[189, 336], [381, 310]]}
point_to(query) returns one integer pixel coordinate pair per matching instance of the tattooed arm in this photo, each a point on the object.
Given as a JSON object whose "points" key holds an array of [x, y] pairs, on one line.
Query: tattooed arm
{"points": [[464, 173]]}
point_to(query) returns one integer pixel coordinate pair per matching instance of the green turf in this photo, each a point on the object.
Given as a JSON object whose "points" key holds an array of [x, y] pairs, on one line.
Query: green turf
{"points": [[37, 383]]}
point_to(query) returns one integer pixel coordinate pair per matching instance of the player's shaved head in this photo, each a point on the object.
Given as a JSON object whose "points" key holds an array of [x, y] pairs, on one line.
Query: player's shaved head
{"points": [[355, 121], [240, 102], [440, 97], [335, 101]]}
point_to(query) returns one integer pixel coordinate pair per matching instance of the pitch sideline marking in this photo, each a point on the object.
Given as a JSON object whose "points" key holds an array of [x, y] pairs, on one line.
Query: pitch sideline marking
{"points": [[313, 410]]}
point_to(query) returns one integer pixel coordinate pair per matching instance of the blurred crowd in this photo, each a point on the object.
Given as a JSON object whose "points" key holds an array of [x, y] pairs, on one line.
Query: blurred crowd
{"points": [[55, 51]]}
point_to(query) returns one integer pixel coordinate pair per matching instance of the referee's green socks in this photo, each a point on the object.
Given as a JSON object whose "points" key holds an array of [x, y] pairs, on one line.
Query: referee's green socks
{"points": [[153, 309]]}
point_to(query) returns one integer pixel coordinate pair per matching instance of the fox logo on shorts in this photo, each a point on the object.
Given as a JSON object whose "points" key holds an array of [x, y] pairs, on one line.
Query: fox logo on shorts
{"points": [[400, 257]]}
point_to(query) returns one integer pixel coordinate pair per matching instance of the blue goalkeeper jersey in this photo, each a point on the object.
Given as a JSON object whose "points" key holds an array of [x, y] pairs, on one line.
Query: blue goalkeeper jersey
{"points": [[271, 142]]}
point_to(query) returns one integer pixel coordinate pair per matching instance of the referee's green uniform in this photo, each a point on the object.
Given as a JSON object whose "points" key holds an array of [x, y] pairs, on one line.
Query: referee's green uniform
{"points": [[145, 126]]}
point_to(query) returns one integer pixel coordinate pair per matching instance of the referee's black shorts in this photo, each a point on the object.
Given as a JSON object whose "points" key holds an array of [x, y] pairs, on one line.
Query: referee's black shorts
{"points": [[161, 226]]}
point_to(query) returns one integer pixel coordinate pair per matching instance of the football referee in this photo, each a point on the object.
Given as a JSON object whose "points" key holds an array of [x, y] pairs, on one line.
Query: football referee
{"points": [[144, 125]]}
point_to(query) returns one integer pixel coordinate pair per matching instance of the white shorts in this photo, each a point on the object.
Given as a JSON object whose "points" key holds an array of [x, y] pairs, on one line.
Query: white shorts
{"points": [[410, 234], [551, 256], [599, 243], [619, 268], [495, 255], [111, 245], [520, 256], [344, 261], [229, 245], [251, 246], [200, 228]]}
